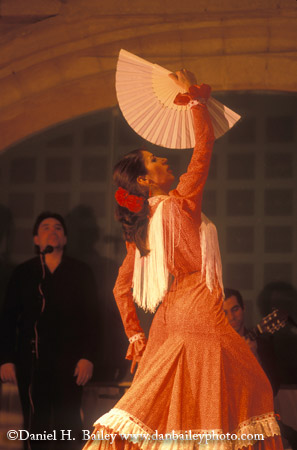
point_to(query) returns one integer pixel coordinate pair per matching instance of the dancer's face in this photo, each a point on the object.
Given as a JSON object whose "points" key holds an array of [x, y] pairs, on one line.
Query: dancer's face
{"points": [[158, 171], [235, 314]]}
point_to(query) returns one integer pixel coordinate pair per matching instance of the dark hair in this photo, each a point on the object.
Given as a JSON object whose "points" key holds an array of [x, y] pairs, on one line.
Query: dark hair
{"points": [[125, 174], [234, 293], [45, 215]]}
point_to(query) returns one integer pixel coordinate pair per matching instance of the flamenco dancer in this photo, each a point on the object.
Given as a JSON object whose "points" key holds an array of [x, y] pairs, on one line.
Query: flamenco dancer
{"points": [[195, 375]]}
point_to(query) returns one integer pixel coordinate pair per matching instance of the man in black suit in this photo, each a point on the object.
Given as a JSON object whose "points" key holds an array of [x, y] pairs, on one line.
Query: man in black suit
{"points": [[48, 336]]}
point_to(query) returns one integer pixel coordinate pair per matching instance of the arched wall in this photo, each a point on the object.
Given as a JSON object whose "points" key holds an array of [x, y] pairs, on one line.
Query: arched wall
{"points": [[58, 59]]}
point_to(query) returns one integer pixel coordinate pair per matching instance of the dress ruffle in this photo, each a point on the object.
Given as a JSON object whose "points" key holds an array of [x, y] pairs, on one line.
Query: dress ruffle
{"points": [[123, 424]]}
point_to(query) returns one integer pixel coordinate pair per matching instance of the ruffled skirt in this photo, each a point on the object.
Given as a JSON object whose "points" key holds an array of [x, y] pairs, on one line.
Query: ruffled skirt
{"points": [[198, 386]]}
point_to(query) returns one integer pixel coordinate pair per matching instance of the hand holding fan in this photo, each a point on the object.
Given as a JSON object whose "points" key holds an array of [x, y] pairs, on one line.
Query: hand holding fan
{"points": [[146, 93]]}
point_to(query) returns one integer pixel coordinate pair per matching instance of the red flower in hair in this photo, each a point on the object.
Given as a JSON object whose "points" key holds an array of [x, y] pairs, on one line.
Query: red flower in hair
{"points": [[129, 201]]}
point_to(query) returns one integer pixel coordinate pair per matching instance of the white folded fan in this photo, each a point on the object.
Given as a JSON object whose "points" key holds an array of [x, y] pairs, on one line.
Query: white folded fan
{"points": [[146, 94]]}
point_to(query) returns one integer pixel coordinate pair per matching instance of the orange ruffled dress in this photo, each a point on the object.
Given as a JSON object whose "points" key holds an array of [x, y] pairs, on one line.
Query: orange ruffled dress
{"points": [[196, 375]]}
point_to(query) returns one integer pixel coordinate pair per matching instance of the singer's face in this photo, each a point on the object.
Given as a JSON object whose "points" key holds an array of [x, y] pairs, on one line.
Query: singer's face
{"points": [[50, 232]]}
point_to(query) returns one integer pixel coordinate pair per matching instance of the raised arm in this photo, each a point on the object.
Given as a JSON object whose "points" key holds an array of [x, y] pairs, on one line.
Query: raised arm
{"points": [[191, 183]]}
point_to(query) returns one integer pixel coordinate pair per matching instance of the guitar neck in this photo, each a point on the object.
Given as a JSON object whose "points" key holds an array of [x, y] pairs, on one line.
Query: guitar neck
{"points": [[270, 324], [253, 333]]}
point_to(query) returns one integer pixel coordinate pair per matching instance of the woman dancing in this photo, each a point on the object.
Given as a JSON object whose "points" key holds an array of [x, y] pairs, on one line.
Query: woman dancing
{"points": [[197, 380]]}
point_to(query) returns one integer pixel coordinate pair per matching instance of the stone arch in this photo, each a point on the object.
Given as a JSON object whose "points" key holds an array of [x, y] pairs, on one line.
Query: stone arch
{"points": [[58, 60]]}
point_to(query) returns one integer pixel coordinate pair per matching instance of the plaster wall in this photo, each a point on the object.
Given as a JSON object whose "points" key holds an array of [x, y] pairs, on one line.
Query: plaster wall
{"points": [[58, 58]]}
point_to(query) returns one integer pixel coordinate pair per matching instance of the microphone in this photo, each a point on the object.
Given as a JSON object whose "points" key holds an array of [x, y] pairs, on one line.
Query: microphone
{"points": [[48, 249]]}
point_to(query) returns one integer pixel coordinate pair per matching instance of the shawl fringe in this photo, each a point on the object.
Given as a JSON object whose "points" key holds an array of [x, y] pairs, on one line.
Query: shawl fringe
{"points": [[211, 267], [151, 275]]}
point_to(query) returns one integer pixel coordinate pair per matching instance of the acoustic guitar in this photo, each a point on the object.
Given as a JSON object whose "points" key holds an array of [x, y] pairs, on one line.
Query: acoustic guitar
{"points": [[270, 324]]}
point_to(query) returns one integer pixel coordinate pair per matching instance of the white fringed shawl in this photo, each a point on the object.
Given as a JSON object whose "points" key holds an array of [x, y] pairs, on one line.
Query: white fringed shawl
{"points": [[211, 266], [151, 275]]}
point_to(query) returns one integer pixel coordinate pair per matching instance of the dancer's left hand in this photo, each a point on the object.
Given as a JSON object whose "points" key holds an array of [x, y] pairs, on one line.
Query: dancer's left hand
{"points": [[83, 371], [183, 78]]}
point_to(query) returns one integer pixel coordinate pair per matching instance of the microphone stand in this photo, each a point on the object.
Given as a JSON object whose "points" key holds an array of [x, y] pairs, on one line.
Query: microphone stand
{"points": [[34, 341]]}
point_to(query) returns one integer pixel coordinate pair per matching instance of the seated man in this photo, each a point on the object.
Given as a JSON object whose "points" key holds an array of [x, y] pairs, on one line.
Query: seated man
{"points": [[261, 347], [48, 336]]}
